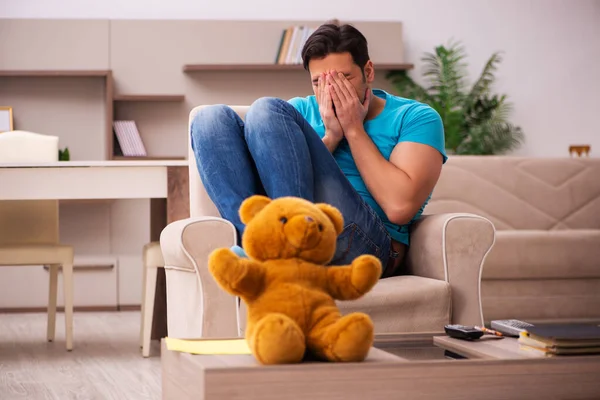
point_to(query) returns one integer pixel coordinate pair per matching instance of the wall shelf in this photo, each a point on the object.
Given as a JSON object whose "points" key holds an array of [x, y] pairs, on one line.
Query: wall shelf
{"points": [[274, 67], [57, 73], [105, 74], [150, 97], [127, 158]]}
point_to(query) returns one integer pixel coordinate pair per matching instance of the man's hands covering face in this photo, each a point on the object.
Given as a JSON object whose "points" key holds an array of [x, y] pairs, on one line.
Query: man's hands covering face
{"points": [[333, 129], [349, 110]]}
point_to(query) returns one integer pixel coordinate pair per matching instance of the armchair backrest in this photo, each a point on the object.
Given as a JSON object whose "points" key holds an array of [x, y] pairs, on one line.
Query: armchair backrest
{"points": [[28, 221], [200, 203]]}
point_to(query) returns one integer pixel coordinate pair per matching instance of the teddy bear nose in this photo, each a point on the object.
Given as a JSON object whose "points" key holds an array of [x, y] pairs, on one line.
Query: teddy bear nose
{"points": [[308, 219]]}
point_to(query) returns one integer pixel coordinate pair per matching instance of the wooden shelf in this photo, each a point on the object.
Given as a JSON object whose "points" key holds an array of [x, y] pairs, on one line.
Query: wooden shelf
{"points": [[274, 67], [73, 73], [127, 158], [150, 97]]}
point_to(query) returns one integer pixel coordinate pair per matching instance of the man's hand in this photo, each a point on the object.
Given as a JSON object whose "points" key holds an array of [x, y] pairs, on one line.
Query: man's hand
{"points": [[350, 111], [333, 129]]}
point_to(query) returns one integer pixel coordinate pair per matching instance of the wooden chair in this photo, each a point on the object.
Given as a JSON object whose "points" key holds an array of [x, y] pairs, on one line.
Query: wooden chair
{"points": [[29, 229]]}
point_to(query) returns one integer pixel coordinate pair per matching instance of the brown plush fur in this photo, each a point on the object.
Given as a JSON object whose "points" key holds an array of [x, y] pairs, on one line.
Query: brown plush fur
{"points": [[287, 286]]}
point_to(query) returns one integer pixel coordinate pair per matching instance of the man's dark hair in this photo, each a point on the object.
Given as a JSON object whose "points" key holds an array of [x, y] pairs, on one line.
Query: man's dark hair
{"points": [[332, 37]]}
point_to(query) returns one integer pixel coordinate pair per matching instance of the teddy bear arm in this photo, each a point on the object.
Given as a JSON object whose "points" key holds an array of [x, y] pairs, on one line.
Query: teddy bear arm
{"points": [[238, 276], [339, 285], [251, 283], [353, 281]]}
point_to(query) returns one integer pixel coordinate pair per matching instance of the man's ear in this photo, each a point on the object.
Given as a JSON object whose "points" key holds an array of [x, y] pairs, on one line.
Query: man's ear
{"points": [[369, 72], [334, 215], [252, 206]]}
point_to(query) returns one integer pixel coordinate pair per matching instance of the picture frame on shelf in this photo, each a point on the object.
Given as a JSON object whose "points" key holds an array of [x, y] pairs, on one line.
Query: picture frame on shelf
{"points": [[6, 119]]}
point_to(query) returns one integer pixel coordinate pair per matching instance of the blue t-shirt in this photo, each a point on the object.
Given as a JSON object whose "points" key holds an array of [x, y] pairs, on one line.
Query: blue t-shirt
{"points": [[401, 120]]}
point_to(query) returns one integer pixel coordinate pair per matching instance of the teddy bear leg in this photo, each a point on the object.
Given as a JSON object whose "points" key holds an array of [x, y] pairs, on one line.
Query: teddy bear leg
{"points": [[277, 339], [348, 339]]}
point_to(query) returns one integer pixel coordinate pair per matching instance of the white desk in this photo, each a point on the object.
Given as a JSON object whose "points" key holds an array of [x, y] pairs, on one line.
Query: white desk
{"points": [[65, 180], [163, 180]]}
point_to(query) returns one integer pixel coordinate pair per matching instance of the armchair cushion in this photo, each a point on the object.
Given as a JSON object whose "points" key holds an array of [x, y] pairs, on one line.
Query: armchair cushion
{"points": [[405, 304], [399, 304]]}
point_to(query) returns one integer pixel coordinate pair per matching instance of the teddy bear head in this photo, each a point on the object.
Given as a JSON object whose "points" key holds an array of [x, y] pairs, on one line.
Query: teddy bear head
{"points": [[290, 227]]}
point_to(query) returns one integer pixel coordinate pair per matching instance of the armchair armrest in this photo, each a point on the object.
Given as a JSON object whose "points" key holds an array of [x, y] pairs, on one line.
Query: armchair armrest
{"points": [[452, 247], [196, 306]]}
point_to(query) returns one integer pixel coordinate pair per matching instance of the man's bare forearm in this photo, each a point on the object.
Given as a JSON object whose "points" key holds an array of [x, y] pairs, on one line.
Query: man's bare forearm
{"points": [[331, 143], [390, 186]]}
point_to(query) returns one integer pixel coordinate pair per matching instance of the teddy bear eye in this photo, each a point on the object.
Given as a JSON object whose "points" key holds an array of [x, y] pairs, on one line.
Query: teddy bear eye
{"points": [[283, 220], [320, 228]]}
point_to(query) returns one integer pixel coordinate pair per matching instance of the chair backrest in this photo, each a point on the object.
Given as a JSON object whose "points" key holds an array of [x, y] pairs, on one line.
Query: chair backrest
{"points": [[28, 221], [200, 203], [521, 192]]}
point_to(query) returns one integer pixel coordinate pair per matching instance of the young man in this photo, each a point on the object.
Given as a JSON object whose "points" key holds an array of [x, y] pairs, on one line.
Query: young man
{"points": [[374, 156]]}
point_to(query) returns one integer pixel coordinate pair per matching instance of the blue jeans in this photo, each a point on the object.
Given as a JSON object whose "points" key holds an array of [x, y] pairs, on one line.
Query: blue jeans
{"points": [[275, 152]]}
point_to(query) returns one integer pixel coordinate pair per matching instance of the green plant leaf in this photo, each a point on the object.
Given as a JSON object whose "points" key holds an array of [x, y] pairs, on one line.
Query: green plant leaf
{"points": [[483, 85], [492, 138], [407, 87], [445, 72], [63, 155], [476, 121], [453, 129]]}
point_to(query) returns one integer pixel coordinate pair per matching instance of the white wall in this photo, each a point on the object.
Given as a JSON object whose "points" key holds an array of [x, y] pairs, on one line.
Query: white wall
{"points": [[552, 47]]}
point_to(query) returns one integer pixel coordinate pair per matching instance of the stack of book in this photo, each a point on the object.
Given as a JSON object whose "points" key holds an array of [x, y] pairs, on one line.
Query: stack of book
{"points": [[291, 44], [562, 339]]}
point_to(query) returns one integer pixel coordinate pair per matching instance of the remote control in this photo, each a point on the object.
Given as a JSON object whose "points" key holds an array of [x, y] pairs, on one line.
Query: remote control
{"points": [[510, 327], [463, 332]]}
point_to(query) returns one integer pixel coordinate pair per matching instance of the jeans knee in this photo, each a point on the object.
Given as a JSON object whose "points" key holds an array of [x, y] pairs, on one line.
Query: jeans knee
{"points": [[210, 121], [266, 116], [265, 108]]}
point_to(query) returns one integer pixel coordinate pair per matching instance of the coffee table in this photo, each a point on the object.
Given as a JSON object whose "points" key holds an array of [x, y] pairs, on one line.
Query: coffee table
{"points": [[409, 366]]}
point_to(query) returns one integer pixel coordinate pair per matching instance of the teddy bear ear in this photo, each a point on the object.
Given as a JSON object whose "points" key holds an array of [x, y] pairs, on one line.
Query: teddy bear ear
{"points": [[334, 215], [252, 206]]}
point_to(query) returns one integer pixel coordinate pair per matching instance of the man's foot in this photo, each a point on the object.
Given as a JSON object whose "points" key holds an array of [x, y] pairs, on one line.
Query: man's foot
{"points": [[239, 251]]}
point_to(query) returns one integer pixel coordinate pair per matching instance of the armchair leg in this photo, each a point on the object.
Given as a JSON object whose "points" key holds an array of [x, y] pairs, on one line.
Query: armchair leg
{"points": [[148, 305], [68, 292], [53, 269], [143, 304]]}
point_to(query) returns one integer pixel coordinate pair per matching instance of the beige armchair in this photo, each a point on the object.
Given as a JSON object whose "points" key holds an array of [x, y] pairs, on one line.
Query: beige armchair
{"points": [[29, 229], [442, 286]]}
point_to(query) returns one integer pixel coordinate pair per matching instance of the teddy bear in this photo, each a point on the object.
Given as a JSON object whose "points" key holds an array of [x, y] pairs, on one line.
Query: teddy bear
{"points": [[289, 289]]}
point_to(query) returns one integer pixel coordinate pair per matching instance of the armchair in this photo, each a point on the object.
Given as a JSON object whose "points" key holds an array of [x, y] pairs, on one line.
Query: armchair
{"points": [[442, 284]]}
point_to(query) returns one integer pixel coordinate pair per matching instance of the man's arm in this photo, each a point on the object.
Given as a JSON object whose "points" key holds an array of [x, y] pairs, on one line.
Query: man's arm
{"points": [[402, 184], [331, 143], [333, 130]]}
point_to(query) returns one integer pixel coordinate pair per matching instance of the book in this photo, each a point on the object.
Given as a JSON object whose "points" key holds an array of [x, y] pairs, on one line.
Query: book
{"points": [[208, 346], [291, 44], [129, 139], [562, 339]]}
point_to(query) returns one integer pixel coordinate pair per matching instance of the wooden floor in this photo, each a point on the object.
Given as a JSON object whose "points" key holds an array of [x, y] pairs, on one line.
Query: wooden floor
{"points": [[105, 364]]}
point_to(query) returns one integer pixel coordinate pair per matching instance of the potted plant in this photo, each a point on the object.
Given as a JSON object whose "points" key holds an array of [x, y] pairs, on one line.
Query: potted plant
{"points": [[475, 120], [64, 155]]}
